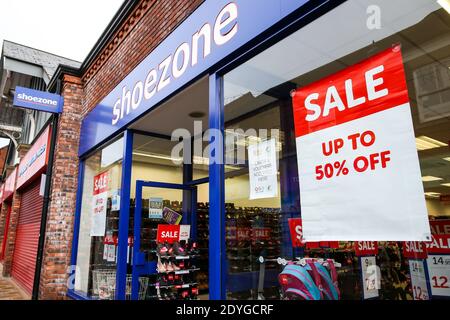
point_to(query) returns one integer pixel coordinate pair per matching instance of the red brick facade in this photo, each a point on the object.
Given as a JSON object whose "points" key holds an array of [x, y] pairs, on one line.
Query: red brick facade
{"points": [[150, 23], [60, 218], [3, 154], [13, 220], [4, 212]]}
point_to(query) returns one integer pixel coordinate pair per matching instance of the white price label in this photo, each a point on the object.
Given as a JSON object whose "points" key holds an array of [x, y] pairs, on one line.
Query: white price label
{"points": [[439, 273], [418, 280], [371, 277]]}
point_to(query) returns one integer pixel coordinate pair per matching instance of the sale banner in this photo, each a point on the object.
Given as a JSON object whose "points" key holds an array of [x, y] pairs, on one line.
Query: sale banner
{"points": [[418, 280], [440, 244], [295, 228], [366, 248], [359, 172], [168, 233], [414, 250], [439, 274], [440, 227], [99, 205], [260, 234]]}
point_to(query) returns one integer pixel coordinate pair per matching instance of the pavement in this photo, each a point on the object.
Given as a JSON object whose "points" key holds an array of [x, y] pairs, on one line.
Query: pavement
{"points": [[9, 290]]}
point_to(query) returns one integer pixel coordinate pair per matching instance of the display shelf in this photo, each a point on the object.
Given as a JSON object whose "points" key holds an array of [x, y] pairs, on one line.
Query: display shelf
{"points": [[176, 286], [183, 271], [191, 256]]}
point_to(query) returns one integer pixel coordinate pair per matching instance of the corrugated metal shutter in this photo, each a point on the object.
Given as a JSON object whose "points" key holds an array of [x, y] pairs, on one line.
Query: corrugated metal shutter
{"points": [[27, 237]]}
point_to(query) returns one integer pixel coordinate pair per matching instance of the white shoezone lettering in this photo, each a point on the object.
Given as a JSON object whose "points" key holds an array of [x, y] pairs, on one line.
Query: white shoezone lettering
{"points": [[176, 64], [26, 97]]}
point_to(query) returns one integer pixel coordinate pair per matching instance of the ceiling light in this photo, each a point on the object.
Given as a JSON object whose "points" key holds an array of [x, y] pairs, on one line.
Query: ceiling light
{"points": [[433, 194], [196, 114], [430, 178], [445, 184], [444, 4], [446, 159], [157, 156], [425, 143]]}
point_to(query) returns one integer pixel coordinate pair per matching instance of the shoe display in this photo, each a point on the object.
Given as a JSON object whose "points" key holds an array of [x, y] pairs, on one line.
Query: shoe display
{"points": [[178, 250]]}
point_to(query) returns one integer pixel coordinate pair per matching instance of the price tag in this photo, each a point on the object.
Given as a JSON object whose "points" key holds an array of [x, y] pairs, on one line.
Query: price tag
{"points": [[418, 280], [439, 273], [371, 277]]}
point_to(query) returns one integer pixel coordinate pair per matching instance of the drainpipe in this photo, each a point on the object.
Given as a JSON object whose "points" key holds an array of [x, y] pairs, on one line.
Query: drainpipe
{"points": [[37, 272]]}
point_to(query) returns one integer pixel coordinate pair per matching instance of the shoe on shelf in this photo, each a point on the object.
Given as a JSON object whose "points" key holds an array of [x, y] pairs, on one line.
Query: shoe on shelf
{"points": [[163, 249], [169, 267], [178, 249], [161, 267]]}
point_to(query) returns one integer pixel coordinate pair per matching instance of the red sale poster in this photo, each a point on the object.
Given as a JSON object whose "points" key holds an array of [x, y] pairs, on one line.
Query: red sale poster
{"points": [[366, 248], [99, 205], [169, 233], [414, 250], [295, 228], [357, 157]]}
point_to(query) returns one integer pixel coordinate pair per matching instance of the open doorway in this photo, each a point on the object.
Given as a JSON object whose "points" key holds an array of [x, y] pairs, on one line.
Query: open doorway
{"points": [[170, 188]]}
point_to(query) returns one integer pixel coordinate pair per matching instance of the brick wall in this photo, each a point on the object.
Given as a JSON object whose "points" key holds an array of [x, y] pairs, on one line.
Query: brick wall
{"points": [[149, 24], [4, 211], [60, 217], [13, 220], [3, 154]]}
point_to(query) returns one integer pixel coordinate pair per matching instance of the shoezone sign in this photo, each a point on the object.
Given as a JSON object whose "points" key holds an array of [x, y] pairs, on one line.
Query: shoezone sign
{"points": [[173, 233], [357, 157]]}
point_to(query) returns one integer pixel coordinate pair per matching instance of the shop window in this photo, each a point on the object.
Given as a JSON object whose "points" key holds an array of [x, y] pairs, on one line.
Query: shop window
{"points": [[257, 96], [99, 223]]}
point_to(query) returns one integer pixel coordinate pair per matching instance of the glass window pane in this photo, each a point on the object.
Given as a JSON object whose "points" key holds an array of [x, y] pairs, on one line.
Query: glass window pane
{"points": [[257, 96], [99, 222]]}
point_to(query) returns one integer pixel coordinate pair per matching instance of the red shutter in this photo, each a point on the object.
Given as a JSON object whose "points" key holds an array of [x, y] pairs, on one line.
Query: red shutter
{"points": [[27, 237]]}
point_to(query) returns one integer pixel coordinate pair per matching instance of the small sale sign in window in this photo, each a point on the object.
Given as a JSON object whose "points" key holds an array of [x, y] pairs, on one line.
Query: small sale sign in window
{"points": [[359, 171]]}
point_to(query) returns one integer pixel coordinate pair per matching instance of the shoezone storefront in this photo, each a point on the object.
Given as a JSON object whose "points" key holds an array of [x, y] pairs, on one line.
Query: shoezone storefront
{"points": [[273, 150]]}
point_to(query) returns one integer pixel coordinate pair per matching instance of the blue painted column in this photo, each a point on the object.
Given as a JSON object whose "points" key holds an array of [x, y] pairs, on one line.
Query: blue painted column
{"points": [[124, 216], [217, 253], [76, 224]]}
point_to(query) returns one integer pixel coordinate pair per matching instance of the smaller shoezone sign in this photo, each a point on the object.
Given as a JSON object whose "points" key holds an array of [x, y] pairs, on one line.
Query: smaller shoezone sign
{"points": [[357, 158], [38, 100], [35, 161], [9, 186]]}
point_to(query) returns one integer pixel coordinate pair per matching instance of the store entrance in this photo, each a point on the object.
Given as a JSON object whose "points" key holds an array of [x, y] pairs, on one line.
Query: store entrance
{"points": [[168, 256], [165, 243]]}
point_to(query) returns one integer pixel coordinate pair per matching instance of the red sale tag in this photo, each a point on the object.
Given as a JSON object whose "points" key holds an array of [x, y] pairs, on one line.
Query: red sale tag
{"points": [[259, 234], [100, 183], [168, 233], [243, 233], [439, 244], [366, 248], [414, 250], [440, 226], [295, 227]]}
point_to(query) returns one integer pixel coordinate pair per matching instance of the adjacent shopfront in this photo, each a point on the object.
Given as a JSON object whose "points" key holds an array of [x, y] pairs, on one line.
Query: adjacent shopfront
{"points": [[7, 195], [29, 185], [242, 148]]}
